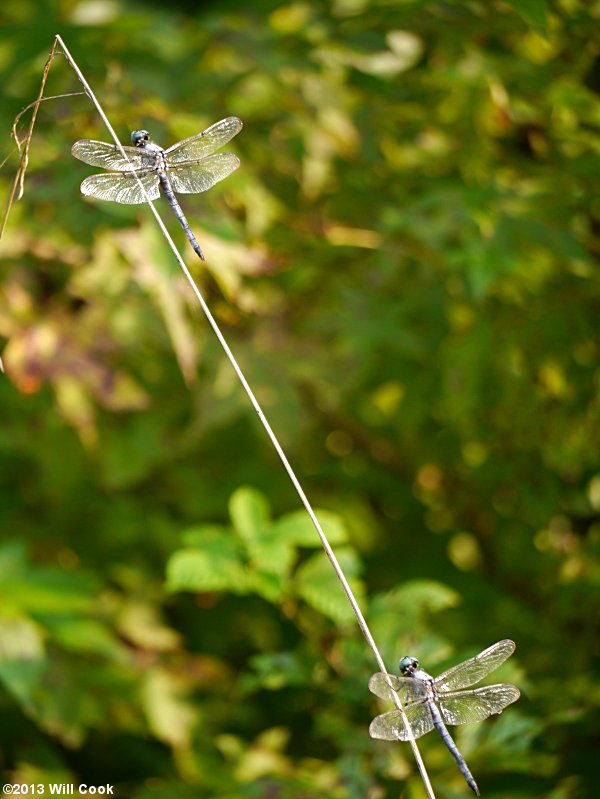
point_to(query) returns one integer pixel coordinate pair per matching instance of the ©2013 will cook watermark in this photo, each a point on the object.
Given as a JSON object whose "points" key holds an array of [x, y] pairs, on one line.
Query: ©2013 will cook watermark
{"points": [[57, 789]]}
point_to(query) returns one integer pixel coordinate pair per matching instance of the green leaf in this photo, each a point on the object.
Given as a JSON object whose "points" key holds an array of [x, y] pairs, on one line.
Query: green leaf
{"points": [[87, 636], [22, 657], [297, 528], [171, 714], [249, 511], [269, 585], [405, 606], [22, 679], [140, 623], [401, 616], [276, 670], [317, 583], [534, 12], [13, 559], [44, 591], [214, 564], [271, 558], [275, 558]]}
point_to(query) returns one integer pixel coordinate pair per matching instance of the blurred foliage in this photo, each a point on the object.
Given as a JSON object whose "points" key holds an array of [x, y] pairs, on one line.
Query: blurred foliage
{"points": [[406, 267]]}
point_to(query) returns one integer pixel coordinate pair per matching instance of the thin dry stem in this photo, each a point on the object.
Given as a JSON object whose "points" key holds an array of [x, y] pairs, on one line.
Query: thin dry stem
{"points": [[255, 404]]}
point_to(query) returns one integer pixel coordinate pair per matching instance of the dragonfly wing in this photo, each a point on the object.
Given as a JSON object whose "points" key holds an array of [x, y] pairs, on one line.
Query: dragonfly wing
{"points": [[390, 726], [205, 143], [407, 688], [121, 188], [471, 671], [197, 177], [108, 156], [467, 707]]}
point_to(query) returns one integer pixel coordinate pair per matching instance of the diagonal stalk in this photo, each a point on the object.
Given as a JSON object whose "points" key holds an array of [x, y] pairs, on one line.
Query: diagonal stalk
{"points": [[255, 404]]}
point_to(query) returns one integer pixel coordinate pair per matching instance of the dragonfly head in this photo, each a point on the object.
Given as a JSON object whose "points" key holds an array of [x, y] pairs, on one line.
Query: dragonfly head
{"points": [[139, 138], [408, 666]]}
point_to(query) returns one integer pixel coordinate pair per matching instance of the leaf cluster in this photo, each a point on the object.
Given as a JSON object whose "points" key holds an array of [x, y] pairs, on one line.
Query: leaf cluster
{"points": [[406, 266]]}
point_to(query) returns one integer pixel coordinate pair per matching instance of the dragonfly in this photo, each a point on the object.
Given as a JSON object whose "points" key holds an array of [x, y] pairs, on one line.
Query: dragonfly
{"points": [[429, 702], [188, 167]]}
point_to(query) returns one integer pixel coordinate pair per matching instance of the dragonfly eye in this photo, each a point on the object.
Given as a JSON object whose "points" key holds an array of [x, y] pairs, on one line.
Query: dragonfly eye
{"points": [[408, 665], [140, 137]]}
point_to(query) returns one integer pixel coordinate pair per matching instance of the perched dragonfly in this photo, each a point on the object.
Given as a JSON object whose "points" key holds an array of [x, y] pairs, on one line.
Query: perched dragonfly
{"points": [[188, 167], [429, 702]]}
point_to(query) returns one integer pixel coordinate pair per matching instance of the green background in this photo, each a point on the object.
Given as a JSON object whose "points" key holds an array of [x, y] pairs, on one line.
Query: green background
{"points": [[406, 266]]}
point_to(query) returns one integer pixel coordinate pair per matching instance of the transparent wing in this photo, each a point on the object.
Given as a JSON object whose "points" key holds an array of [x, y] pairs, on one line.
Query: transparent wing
{"points": [[121, 188], [107, 156], [193, 178], [471, 671], [407, 688], [467, 707], [205, 143], [390, 727]]}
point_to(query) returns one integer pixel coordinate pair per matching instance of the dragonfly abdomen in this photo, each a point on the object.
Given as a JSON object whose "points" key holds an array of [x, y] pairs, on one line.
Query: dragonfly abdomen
{"points": [[172, 200], [449, 741]]}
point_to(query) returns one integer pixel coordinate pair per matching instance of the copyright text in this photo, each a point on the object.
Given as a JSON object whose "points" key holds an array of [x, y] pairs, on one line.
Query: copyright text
{"points": [[57, 789]]}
